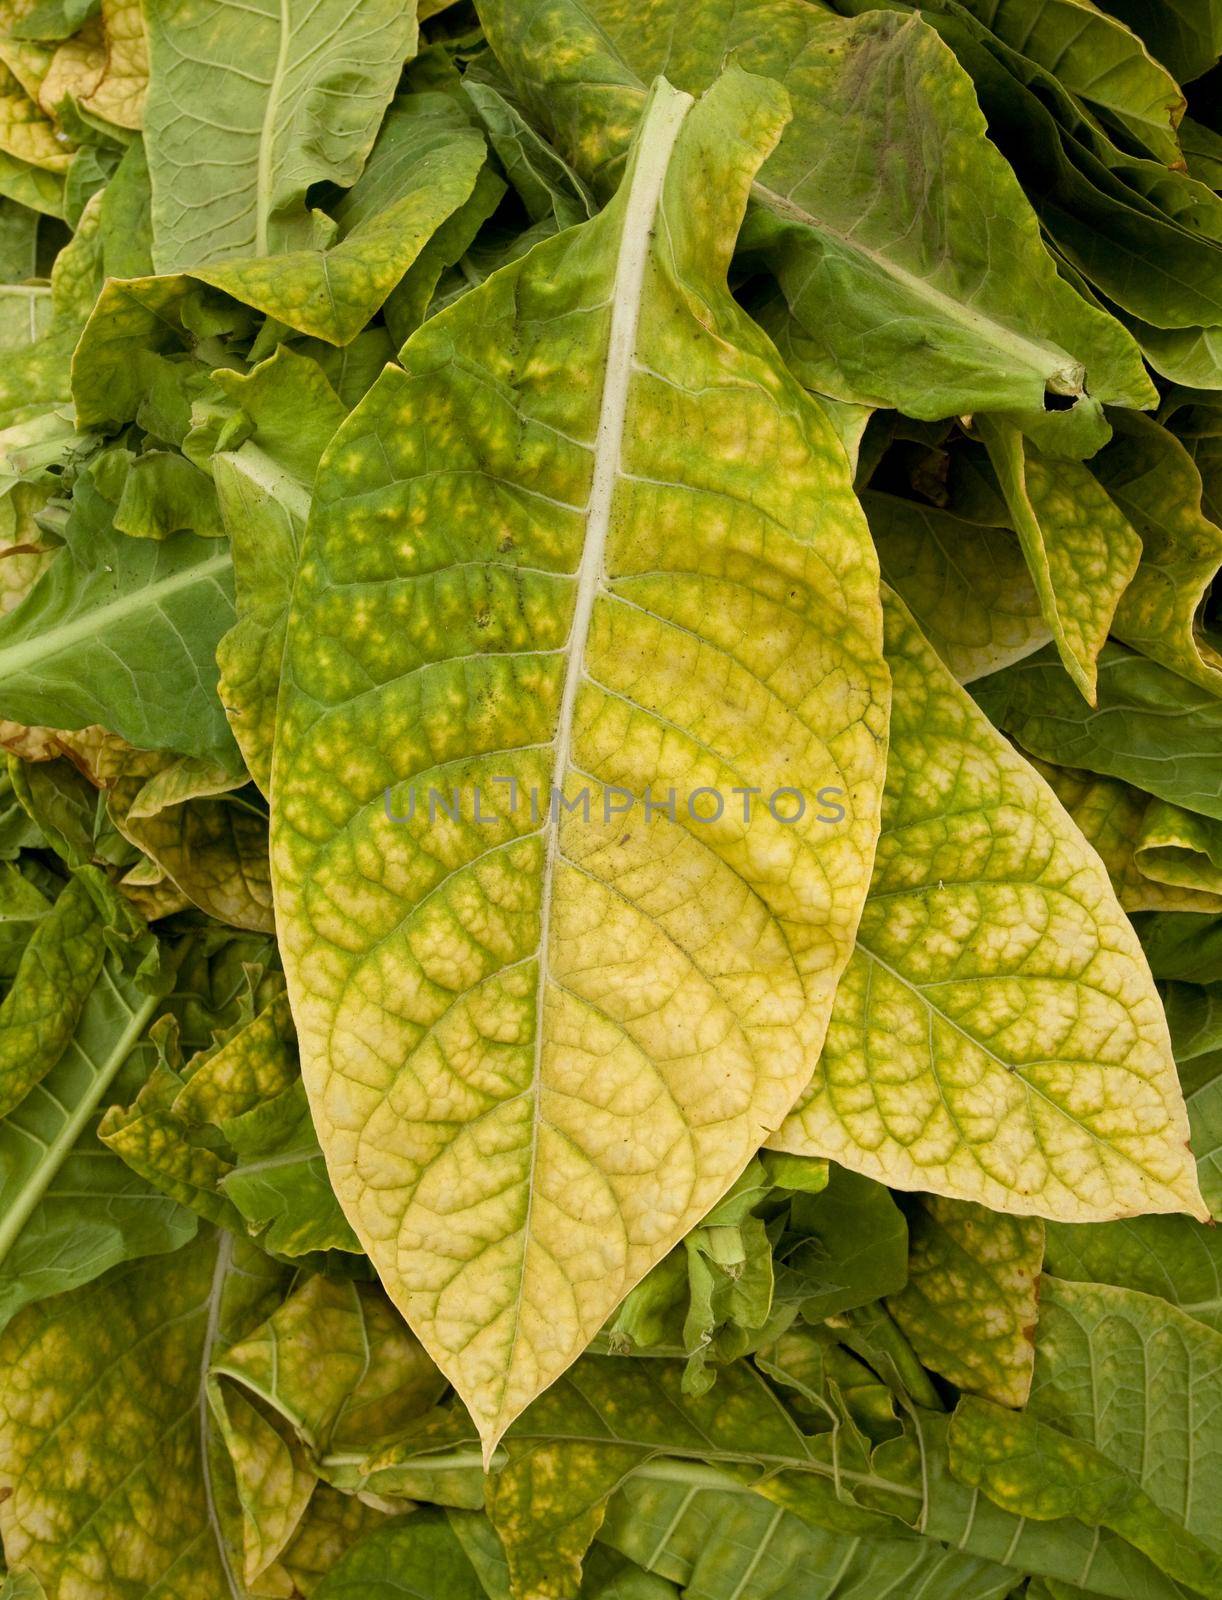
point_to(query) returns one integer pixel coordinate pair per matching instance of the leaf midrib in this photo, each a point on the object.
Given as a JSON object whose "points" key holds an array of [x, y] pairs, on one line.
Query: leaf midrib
{"points": [[658, 134], [19, 1213], [263, 171], [17, 657], [1067, 378]]}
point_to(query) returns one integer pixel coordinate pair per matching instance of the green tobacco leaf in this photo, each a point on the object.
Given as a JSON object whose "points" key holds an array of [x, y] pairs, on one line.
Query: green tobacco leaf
{"points": [[971, 1301], [122, 632], [716, 1296], [1150, 726], [1202, 149], [137, 355], [1191, 355], [21, 1586], [162, 494], [1119, 240], [710, 1298], [1182, 946], [547, 186], [23, 905], [543, 583], [717, 1544], [721, 1482], [1136, 1379], [280, 101], [1080, 548], [607, 1419], [70, 814], [936, 306], [968, 587], [105, 1426], [1158, 856], [1034, 1471], [1184, 34], [1100, 1559], [1195, 1018], [58, 969], [68, 1208], [1098, 60], [411, 1555], [850, 1246], [124, 223], [423, 167], [264, 490], [1004, 1069], [1152, 478]]}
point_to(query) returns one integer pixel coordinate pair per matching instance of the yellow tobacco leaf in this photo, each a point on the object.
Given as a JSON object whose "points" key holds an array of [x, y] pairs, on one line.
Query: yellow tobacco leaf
{"points": [[592, 538], [25, 132], [997, 1036]]}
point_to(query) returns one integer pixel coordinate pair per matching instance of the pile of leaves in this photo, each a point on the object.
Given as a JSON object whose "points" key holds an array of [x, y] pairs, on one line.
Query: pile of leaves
{"points": [[412, 1186]]}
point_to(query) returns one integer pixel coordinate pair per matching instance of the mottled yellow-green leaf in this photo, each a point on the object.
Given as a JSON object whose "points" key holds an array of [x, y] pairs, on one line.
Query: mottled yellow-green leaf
{"points": [[997, 1036], [337, 1362], [385, 221], [103, 67], [229, 1136], [904, 245], [58, 969], [1151, 477], [264, 493], [539, 1050], [25, 132], [118, 95], [971, 1300], [1080, 547], [155, 1140], [332, 1524], [968, 587], [1034, 1471], [106, 1436], [1158, 856], [213, 846], [272, 1477], [27, 59]]}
